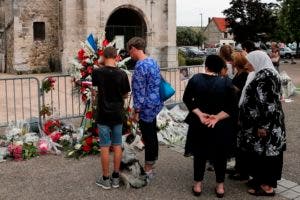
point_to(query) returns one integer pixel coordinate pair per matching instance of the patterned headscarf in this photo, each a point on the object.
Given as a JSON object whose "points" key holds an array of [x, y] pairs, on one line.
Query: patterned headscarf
{"points": [[259, 60]]}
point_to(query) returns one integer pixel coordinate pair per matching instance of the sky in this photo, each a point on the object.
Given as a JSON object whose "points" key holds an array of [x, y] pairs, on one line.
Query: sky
{"points": [[189, 11]]}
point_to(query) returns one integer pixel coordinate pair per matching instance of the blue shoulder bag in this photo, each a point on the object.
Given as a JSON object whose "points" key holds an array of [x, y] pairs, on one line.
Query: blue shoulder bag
{"points": [[166, 90]]}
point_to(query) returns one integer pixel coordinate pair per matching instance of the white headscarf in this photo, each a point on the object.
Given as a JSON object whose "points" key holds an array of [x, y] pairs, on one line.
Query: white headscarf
{"points": [[259, 60]]}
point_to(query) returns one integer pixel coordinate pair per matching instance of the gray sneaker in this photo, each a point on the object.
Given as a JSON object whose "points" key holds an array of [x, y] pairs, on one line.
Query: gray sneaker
{"points": [[150, 176], [115, 182], [105, 184]]}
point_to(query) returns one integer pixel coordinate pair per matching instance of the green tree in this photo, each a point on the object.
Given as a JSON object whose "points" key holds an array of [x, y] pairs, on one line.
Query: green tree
{"points": [[289, 20], [251, 19], [187, 36]]}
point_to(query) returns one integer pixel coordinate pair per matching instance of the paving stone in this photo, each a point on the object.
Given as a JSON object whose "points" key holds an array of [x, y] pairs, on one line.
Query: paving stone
{"points": [[296, 189], [281, 180], [290, 194], [280, 189], [288, 184], [298, 198]]}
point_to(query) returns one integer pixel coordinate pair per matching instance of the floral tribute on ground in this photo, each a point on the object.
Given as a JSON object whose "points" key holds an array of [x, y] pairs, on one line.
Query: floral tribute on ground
{"points": [[21, 143]]}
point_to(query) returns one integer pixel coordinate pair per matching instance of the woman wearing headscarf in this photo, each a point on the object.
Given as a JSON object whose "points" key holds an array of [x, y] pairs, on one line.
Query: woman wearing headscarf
{"points": [[262, 124]]}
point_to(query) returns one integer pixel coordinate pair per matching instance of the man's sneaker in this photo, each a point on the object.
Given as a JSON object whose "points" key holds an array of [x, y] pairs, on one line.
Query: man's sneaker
{"points": [[115, 182], [105, 184], [149, 176]]}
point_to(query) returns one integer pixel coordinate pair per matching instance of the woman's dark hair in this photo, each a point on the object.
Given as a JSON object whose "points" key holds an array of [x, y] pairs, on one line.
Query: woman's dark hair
{"points": [[248, 46], [215, 63]]}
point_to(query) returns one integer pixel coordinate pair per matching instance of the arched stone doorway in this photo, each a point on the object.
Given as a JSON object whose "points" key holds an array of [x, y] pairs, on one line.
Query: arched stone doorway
{"points": [[125, 23]]}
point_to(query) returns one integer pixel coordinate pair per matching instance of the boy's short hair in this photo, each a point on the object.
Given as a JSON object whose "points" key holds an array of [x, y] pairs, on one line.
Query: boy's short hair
{"points": [[215, 63], [137, 42], [110, 52]]}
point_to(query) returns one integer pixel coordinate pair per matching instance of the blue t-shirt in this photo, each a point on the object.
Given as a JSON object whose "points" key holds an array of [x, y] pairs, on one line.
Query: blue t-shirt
{"points": [[145, 88]]}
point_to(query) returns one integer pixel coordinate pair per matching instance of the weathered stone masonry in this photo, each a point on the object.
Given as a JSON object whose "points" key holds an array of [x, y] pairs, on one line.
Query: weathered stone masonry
{"points": [[67, 22]]}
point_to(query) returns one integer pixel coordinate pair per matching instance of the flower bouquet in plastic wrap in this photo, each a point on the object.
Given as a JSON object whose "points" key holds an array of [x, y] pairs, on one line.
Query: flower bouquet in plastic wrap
{"points": [[19, 142]]}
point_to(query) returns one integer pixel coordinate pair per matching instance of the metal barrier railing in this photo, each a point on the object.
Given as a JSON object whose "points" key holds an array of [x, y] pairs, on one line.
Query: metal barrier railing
{"points": [[64, 101], [178, 78], [19, 99]]}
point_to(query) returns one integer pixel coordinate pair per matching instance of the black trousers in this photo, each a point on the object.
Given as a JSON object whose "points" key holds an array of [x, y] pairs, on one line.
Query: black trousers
{"points": [[219, 161], [267, 169], [244, 163], [149, 135]]}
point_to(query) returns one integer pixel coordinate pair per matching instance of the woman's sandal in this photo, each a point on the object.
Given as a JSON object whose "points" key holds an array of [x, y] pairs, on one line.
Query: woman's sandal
{"points": [[219, 195], [260, 192], [195, 192]]}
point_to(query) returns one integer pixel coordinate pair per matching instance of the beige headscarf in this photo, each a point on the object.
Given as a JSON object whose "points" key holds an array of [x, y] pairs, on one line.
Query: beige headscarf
{"points": [[259, 60]]}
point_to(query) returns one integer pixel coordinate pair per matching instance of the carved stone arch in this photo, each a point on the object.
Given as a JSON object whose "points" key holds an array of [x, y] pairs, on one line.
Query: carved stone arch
{"points": [[127, 21]]}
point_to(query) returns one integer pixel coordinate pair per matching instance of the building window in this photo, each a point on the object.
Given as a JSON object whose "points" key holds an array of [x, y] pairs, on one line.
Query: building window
{"points": [[225, 35], [39, 31]]}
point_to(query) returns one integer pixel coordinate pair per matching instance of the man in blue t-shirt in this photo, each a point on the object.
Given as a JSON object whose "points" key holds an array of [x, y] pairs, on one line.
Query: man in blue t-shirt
{"points": [[146, 99]]}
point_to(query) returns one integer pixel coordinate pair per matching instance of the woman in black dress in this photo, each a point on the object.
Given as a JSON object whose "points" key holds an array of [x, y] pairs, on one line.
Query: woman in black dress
{"points": [[212, 106], [239, 63]]}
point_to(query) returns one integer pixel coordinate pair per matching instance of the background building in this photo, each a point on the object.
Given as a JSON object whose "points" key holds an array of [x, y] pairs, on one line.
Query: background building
{"points": [[42, 33], [216, 33]]}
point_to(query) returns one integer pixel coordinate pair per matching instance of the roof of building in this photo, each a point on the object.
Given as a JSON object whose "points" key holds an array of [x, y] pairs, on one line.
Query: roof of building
{"points": [[221, 23]]}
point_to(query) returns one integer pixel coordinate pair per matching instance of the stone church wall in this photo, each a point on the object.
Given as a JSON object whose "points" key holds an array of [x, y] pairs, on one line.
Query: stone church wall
{"points": [[159, 16], [30, 53], [67, 22]]}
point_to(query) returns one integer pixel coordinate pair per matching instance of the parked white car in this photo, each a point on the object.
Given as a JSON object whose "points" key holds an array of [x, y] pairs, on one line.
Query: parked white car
{"points": [[286, 52]]}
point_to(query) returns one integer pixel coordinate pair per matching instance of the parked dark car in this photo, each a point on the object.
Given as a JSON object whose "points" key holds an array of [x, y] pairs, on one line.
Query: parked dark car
{"points": [[191, 52], [211, 51]]}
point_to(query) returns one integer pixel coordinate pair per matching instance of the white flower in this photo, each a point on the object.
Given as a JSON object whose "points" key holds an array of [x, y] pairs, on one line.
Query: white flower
{"points": [[18, 143], [31, 138], [71, 153], [88, 78], [66, 137], [77, 146]]}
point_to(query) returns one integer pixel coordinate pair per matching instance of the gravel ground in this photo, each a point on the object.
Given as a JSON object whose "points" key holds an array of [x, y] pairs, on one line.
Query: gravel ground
{"points": [[291, 169], [55, 177]]}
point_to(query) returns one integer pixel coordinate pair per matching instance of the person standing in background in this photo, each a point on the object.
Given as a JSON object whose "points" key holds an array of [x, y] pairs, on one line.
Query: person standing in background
{"points": [[275, 55], [226, 53], [240, 171]]}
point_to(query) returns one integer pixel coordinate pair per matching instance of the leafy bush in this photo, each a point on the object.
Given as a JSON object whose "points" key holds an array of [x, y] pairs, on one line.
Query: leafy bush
{"points": [[181, 59], [194, 61]]}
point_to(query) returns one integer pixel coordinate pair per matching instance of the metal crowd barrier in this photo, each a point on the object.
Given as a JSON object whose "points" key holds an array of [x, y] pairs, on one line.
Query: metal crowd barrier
{"points": [[19, 99], [178, 77], [64, 101], [22, 98]]}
